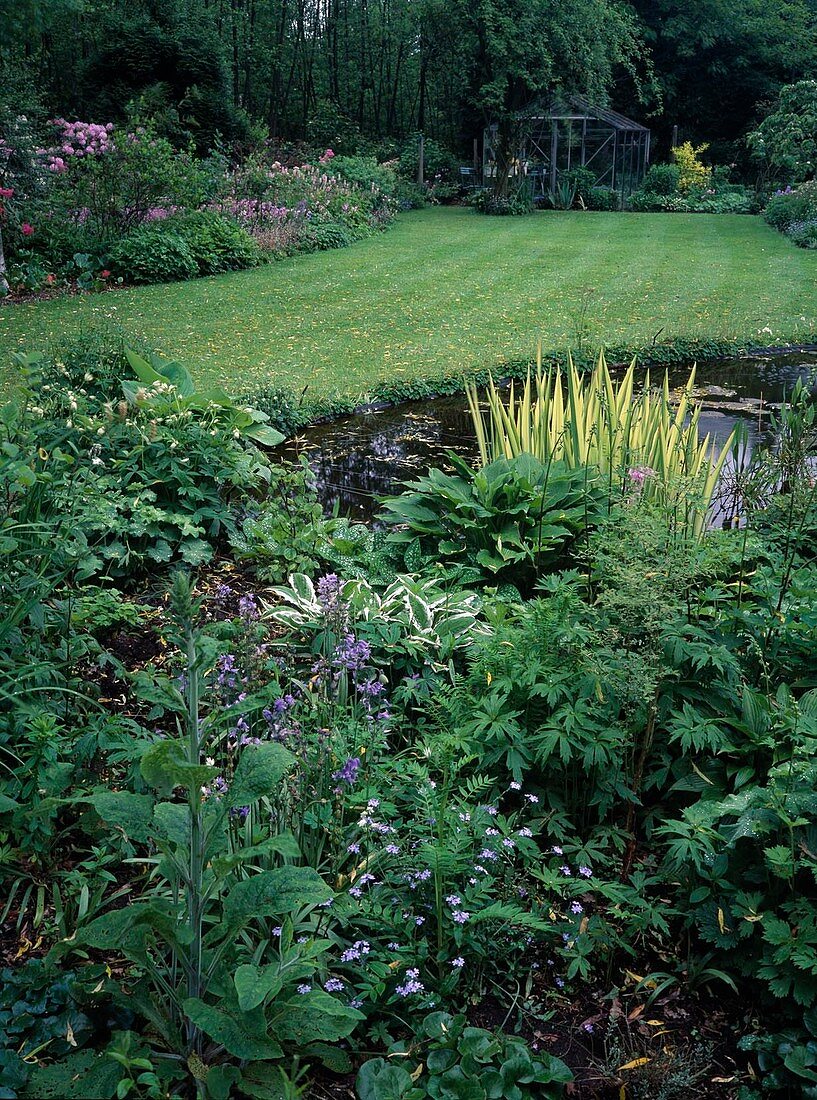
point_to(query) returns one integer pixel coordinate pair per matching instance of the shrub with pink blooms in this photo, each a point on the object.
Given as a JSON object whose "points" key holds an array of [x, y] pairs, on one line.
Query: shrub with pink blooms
{"points": [[108, 180], [302, 207]]}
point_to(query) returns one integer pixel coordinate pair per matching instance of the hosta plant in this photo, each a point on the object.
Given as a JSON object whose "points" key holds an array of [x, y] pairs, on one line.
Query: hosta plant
{"points": [[512, 520], [450, 1060]]}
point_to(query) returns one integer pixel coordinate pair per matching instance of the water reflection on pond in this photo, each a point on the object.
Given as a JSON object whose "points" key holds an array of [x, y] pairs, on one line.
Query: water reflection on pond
{"points": [[359, 458]]}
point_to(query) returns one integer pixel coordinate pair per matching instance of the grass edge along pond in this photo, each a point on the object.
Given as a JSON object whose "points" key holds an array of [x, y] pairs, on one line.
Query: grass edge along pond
{"points": [[447, 292]]}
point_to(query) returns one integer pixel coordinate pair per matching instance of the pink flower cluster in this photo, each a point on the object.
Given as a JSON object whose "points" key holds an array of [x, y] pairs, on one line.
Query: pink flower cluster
{"points": [[327, 156], [78, 139], [251, 212]]}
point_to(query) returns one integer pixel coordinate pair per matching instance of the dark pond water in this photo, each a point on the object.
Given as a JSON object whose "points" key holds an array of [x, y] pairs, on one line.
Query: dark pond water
{"points": [[359, 458]]}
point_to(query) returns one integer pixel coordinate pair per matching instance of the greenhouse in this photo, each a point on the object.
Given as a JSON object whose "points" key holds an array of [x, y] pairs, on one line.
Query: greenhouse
{"points": [[575, 134]]}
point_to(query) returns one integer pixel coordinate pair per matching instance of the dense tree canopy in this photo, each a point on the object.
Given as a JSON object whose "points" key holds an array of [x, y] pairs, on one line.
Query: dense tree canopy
{"points": [[376, 70]]}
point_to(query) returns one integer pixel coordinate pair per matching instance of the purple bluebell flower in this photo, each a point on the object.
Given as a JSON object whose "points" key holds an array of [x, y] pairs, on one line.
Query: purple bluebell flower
{"points": [[351, 653], [329, 587], [348, 773], [248, 608]]}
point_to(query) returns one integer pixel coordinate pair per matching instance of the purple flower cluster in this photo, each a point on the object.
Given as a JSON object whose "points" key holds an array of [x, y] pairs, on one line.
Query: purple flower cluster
{"points": [[227, 672], [217, 789], [356, 951], [352, 653], [248, 608], [348, 773], [412, 984], [329, 592]]}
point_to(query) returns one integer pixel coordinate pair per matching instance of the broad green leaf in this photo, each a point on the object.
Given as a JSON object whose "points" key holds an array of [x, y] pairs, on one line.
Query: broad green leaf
{"points": [[221, 1081], [171, 820], [265, 1082], [130, 813], [330, 1056], [382, 1080], [165, 766], [285, 845], [260, 770], [142, 369], [265, 435], [272, 894], [254, 984], [309, 1017], [243, 1034], [83, 1075]]}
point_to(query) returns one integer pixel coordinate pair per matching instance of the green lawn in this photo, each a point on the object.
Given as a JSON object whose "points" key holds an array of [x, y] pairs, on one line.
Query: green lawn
{"points": [[446, 289]]}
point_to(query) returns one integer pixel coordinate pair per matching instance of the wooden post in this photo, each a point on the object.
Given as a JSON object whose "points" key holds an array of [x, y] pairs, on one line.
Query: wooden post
{"points": [[476, 157], [420, 162], [4, 283], [675, 136], [554, 149]]}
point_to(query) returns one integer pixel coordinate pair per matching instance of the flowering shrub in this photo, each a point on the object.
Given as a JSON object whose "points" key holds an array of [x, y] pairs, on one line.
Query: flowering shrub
{"points": [[282, 206], [793, 211], [108, 179]]}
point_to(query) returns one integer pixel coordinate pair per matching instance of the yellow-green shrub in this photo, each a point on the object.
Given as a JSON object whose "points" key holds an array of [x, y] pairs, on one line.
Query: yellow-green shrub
{"points": [[694, 173]]}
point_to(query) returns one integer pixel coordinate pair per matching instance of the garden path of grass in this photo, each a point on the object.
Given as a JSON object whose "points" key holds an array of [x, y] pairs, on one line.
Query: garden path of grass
{"points": [[447, 290]]}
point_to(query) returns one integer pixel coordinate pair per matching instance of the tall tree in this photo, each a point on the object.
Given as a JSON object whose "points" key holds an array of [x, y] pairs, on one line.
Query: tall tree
{"points": [[718, 61]]}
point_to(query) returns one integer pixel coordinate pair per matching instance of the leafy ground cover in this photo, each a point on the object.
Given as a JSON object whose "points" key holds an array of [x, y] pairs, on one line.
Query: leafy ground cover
{"points": [[446, 290], [515, 792]]}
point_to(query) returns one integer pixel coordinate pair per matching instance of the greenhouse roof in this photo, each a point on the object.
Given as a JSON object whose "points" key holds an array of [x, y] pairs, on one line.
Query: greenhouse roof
{"points": [[578, 108]]}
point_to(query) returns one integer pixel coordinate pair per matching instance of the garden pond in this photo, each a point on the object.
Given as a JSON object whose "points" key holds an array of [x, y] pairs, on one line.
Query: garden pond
{"points": [[358, 458]]}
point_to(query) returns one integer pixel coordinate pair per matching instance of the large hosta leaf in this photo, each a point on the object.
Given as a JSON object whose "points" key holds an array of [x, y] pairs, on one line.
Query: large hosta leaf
{"points": [[272, 894]]}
